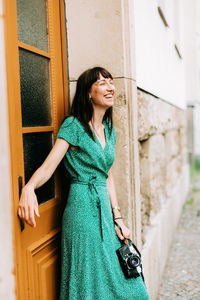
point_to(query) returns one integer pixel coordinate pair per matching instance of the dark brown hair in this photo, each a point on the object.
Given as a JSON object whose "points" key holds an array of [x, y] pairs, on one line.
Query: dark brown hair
{"points": [[82, 108]]}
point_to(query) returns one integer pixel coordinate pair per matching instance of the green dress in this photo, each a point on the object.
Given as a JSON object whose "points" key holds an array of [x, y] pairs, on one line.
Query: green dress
{"points": [[90, 266]]}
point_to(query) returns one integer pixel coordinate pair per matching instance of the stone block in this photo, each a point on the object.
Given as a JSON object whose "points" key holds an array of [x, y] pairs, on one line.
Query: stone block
{"points": [[145, 209], [161, 233], [152, 171], [173, 169], [122, 156], [154, 116], [152, 156], [183, 148], [97, 45], [145, 216], [120, 92], [172, 142], [181, 117], [162, 149]]}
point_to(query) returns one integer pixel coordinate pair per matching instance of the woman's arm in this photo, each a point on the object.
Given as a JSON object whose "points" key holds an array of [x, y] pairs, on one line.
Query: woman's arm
{"points": [[28, 204], [116, 213]]}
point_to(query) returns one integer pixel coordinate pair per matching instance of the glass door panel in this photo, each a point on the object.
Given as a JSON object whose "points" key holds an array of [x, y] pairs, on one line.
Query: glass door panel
{"points": [[35, 89], [32, 23], [36, 148]]}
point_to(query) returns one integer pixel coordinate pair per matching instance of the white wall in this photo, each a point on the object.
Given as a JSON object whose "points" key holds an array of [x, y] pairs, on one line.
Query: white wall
{"points": [[7, 280], [191, 28], [159, 70]]}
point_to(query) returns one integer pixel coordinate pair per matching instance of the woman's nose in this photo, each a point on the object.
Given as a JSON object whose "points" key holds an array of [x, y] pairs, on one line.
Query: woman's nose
{"points": [[110, 87]]}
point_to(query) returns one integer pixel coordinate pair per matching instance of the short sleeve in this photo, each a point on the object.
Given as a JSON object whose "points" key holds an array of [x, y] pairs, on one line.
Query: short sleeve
{"points": [[69, 131]]}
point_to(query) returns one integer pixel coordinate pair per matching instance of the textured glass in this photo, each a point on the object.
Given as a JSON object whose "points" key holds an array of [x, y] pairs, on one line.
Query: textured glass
{"points": [[35, 89], [36, 148], [32, 23]]}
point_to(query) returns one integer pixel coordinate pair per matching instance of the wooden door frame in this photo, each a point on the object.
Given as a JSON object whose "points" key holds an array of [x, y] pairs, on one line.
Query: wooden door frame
{"points": [[14, 114]]}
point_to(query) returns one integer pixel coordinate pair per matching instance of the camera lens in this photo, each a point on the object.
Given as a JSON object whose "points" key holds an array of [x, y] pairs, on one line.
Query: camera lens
{"points": [[133, 261]]}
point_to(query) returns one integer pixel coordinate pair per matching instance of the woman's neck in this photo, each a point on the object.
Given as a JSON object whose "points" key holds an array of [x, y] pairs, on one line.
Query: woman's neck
{"points": [[97, 117]]}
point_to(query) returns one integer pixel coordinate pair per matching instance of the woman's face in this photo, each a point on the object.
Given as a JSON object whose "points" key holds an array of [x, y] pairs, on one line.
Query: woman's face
{"points": [[102, 92]]}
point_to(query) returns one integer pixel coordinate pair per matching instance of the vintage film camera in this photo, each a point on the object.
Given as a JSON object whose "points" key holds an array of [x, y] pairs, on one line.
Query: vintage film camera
{"points": [[130, 259]]}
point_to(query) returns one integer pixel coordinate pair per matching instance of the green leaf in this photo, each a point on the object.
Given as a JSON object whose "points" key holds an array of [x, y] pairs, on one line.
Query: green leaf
{"points": [[190, 201], [195, 189]]}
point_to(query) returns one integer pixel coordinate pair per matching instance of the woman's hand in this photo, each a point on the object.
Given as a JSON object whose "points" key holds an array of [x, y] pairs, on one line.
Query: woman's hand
{"points": [[28, 206], [125, 230]]}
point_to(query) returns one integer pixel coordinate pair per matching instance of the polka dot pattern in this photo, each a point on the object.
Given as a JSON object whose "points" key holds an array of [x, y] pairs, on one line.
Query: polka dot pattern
{"points": [[90, 266]]}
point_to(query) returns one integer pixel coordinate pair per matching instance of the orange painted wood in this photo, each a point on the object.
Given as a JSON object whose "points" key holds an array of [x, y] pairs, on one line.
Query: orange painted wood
{"points": [[33, 49], [64, 51], [35, 250], [37, 129]]}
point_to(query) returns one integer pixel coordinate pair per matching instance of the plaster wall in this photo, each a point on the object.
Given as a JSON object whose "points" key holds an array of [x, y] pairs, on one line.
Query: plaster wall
{"points": [[7, 283], [159, 70], [191, 40]]}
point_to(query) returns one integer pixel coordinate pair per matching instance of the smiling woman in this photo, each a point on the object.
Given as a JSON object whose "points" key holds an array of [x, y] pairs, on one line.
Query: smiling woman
{"points": [[102, 92], [86, 141]]}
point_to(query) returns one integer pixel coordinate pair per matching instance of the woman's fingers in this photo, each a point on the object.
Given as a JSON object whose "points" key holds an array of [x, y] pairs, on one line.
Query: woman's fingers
{"points": [[19, 212], [26, 213], [119, 233], [126, 233], [22, 212], [36, 210], [32, 217]]}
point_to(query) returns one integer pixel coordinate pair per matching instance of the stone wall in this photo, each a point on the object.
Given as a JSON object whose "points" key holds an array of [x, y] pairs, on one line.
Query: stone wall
{"points": [[162, 152]]}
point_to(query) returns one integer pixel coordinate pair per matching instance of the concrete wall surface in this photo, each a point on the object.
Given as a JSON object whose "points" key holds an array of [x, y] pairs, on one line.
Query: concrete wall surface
{"points": [[161, 233], [164, 180], [7, 283]]}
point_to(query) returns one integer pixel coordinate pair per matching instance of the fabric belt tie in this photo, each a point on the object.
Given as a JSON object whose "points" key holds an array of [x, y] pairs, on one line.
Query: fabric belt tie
{"points": [[92, 183]]}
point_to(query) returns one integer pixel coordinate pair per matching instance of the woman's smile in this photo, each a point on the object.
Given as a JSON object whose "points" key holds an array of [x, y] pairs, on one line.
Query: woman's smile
{"points": [[102, 92]]}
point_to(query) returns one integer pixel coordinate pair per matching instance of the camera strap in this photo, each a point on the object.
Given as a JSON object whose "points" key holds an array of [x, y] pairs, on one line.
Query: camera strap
{"points": [[130, 242]]}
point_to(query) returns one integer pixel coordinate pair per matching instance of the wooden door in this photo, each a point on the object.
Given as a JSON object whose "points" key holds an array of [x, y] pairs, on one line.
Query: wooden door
{"points": [[35, 57]]}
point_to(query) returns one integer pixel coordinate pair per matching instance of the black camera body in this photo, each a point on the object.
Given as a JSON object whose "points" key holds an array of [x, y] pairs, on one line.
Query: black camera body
{"points": [[129, 260]]}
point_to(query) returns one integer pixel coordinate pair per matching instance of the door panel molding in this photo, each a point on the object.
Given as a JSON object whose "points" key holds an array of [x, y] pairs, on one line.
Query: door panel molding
{"points": [[42, 255]]}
